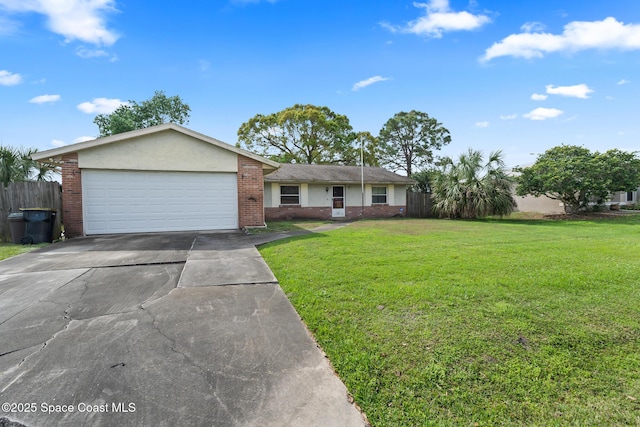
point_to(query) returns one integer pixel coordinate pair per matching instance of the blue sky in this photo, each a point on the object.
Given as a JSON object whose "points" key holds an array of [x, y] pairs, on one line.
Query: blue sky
{"points": [[520, 76]]}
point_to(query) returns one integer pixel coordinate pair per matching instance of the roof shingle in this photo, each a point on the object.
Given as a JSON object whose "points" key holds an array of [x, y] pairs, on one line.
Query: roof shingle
{"points": [[297, 173]]}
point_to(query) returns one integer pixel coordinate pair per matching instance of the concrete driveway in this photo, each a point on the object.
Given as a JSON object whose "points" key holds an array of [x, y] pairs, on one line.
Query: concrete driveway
{"points": [[158, 329]]}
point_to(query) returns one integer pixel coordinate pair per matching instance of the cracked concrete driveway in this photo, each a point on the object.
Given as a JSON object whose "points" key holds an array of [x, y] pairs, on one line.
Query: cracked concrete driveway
{"points": [[158, 329]]}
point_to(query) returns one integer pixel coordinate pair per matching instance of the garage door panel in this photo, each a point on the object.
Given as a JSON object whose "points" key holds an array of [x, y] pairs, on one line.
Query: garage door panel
{"points": [[134, 201]]}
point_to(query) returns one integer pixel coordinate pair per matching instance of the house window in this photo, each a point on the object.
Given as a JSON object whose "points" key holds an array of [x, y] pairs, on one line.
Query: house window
{"points": [[629, 196], [289, 195], [379, 195]]}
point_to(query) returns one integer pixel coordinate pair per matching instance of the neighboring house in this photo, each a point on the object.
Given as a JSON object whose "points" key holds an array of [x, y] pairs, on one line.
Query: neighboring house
{"points": [[544, 204], [334, 192], [547, 205], [162, 178], [625, 198]]}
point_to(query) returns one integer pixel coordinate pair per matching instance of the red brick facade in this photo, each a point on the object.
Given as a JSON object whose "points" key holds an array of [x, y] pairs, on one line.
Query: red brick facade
{"points": [[250, 193], [352, 212], [71, 196]]}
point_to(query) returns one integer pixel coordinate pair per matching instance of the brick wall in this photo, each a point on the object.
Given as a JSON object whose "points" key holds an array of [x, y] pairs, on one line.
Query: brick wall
{"points": [[352, 212], [296, 212], [71, 196], [376, 211], [250, 193]]}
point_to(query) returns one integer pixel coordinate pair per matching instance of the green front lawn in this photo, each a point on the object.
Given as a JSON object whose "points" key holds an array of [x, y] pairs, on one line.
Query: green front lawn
{"points": [[8, 250], [495, 322]]}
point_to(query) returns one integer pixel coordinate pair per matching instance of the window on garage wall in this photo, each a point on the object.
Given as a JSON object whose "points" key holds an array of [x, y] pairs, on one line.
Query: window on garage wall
{"points": [[289, 194]]}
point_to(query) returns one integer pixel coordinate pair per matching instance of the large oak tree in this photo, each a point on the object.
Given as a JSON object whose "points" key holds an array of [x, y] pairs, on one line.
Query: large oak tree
{"points": [[301, 134], [157, 110]]}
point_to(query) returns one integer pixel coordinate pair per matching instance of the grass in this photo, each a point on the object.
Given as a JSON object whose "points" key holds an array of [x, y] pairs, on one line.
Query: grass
{"points": [[8, 250], [496, 322]]}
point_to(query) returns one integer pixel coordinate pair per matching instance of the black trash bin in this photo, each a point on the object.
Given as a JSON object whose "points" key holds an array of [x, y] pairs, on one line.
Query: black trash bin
{"points": [[16, 223], [38, 225]]}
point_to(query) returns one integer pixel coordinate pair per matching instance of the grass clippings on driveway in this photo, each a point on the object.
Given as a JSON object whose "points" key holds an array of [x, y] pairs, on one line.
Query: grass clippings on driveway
{"points": [[284, 226], [496, 322]]}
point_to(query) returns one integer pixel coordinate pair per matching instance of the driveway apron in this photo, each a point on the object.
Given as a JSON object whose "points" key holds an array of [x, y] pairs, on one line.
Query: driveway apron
{"points": [[158, 329]]}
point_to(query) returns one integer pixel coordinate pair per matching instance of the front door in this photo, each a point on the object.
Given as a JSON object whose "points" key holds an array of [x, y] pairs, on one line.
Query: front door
{"points": [[337, 202]]}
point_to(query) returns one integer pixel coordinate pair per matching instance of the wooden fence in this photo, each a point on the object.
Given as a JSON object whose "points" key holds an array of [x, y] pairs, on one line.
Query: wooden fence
{"points": [[419, 205], [29, 195]]}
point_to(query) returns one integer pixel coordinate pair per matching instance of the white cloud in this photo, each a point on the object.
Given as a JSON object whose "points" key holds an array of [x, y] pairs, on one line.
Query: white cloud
{"points": [[532, 27], [9, 79], [509, 117], [439, 18], [58, 143], [624, 82], [371, 80], [538, 97], [482, 124], [74, 19], [83, 52], [576, 91], [100, 106], [578, 35], [43, 99], [83, 139], [543, 113]]}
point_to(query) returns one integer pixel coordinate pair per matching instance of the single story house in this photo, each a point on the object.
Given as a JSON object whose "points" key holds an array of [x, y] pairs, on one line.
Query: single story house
{"points": [[542, 204], [625, 198], [161, 178], [334, 192], [170, 178], [546, 205]]}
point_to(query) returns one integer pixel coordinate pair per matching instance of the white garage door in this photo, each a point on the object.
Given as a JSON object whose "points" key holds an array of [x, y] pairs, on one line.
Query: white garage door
{"points": [[132, 201]]}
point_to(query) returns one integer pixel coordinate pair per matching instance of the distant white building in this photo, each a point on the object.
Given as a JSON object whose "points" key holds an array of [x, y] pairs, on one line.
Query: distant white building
{"points": [[625, 197], [546, 205]]}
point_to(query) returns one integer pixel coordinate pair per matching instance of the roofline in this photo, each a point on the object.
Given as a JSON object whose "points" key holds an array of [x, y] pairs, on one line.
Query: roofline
{"points": [[55, 152], [299, 181], [315, 181]]}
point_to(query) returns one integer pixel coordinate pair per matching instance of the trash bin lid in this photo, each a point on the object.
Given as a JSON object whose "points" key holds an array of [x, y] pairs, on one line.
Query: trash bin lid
{"points": [[37, 209], [16, 215]]}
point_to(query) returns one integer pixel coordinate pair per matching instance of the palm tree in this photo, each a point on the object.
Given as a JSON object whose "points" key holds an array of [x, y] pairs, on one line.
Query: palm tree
{"points": [[472, 188], [16, 165], [37, 170], [9, 165]]}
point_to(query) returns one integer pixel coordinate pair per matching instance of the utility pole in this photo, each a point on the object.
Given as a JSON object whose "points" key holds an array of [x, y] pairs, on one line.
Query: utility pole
{"points": [[362, 176]]}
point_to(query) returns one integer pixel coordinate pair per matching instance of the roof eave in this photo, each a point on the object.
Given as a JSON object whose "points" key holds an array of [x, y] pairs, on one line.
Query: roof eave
{"points": [[308, 181], [73, 148]]}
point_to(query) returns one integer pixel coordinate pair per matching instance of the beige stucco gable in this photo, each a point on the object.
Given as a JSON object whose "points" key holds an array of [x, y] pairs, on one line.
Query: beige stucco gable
{"points": [[167, 150]]}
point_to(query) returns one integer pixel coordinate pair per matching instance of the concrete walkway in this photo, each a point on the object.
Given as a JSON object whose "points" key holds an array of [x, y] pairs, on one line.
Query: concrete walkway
{"points": [[159, 329]]}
